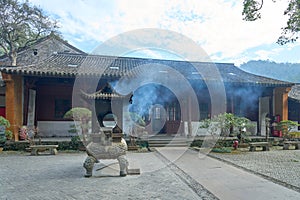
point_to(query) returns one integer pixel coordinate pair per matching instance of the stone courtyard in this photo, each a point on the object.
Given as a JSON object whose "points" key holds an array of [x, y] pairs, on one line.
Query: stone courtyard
{"points": [[62, 177], [245, 175], [280, 166]]}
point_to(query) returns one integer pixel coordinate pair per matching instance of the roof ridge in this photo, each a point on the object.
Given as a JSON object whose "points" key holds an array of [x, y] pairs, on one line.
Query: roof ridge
{"points": [[42, 39], [70, 53], [65, 42], [143, 59]]}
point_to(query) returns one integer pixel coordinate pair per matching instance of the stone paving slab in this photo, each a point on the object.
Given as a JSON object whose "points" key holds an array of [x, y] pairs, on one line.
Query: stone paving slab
{"points": [[280, 166], [62, 177], [224, 180]]}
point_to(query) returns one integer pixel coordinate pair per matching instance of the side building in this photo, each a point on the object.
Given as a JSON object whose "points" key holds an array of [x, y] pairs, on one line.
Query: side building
{"points": [[34, 54]]}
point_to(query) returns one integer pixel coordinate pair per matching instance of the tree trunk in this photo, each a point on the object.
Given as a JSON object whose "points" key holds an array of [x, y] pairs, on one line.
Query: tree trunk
{"points": [[13, 58]]}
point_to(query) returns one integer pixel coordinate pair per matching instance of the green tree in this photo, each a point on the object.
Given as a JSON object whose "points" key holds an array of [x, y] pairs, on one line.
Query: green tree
{"points": [[83, 116], [286, 126], [21, 24], [226, 123], [290, 32]]}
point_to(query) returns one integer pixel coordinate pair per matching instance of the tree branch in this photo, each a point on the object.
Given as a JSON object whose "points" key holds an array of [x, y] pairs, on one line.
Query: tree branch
{"points": [[20, 25], [251, 10], [4, 49]]}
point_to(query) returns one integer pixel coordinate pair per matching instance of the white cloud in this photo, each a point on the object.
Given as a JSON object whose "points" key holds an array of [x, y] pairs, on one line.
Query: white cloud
{"points": [[263, 54], [215, 24]]}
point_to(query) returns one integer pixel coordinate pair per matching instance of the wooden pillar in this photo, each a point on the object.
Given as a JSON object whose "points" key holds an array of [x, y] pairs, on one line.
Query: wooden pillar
{"points": [[95, 123], [184, 114], [29, 83], [280, 99], [120, 112], [189, 116], [232, 104], [13, 98]]}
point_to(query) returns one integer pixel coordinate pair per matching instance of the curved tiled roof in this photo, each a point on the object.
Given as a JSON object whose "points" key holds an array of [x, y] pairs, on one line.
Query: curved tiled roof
{"points": [[100, 95], [71, 65], [295, 93]]}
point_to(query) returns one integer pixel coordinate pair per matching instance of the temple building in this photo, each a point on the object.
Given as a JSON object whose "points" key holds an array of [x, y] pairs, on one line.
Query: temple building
{"points": [[169, 96]]}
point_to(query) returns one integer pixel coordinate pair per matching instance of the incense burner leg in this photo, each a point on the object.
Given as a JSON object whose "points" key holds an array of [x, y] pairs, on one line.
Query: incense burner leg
{"points": [[123, 165], [89, 165]]}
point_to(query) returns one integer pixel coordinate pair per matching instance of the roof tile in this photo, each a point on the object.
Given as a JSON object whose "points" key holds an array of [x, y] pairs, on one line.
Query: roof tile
{"points": [[71, 65]]}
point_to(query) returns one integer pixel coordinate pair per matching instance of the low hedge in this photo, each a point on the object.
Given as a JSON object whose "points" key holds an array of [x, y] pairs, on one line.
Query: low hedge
{"points": [[221, 150], [229, 142], [62, 145]]}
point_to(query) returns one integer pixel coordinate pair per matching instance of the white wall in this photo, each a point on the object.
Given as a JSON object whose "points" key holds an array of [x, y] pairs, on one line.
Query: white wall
{"points": [[196, 131], [55, 128], [264, 106]]}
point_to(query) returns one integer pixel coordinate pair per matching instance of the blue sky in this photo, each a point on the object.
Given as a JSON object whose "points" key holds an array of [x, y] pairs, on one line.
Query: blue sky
{"points": [[215, 25]]}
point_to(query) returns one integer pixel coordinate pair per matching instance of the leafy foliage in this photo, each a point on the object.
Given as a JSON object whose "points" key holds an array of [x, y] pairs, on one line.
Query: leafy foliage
{"points": [[4, 122], [294, 134], [286, 126], [8, 134], [78, 114], [225, 123], [137, 118], [251, 12], [221, 150], [290, 32], [75, 142], [20, 25], [83, 115]]}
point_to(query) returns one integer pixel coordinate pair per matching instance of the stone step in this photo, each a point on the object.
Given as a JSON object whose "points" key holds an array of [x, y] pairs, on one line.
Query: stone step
{"points": [[168, 145], [168, 142]]}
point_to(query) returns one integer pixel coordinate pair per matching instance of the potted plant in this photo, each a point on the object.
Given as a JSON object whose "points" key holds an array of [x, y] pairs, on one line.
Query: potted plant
{"points": [[4, 124], [286, 126], [23, 133]]}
